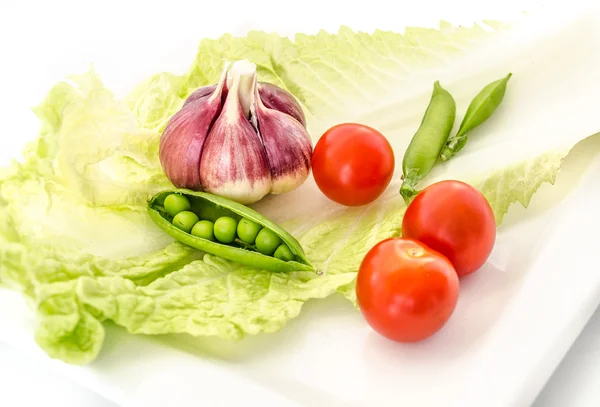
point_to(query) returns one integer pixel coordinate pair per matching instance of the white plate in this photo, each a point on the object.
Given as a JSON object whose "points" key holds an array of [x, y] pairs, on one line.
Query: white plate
{"points": [[510, 329]]}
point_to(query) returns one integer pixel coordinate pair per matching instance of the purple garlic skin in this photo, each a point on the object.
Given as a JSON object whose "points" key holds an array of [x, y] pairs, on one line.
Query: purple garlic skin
{"points": [[288, 147], [233, 163], [271, 95], [279, 99], [183, 140], [202, 93], [240, 139]]}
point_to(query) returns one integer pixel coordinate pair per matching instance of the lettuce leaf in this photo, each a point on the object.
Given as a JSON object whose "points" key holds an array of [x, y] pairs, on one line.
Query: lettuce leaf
{"points": [[75, 237]]}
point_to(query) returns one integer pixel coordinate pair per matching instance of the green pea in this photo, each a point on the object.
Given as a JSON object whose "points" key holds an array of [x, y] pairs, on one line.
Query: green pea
{"points": [[185, 220], [283, 253], [204, 229], [176, 203], [427, 143], [267, 241], [480, 109], [225, 229], [247, 230]]}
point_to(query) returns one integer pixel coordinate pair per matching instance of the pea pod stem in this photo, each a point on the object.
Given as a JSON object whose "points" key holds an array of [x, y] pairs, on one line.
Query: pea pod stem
{"points": [[408, 187], [480, 109]]}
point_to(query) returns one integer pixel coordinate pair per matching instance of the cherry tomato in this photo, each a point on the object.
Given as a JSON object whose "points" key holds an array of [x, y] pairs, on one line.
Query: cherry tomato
{"points": [[405, 290], [454, 219], [352, 164]]}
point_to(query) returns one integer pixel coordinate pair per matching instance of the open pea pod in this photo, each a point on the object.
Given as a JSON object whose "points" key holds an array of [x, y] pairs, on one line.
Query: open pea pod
{"points": [[210, 207]]}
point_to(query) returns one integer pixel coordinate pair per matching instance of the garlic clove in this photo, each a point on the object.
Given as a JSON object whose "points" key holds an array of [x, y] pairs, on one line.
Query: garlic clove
{"points": [[288, 147], [183, 139], [233, 162], [274, 97], [206, 91], [200, 93]]}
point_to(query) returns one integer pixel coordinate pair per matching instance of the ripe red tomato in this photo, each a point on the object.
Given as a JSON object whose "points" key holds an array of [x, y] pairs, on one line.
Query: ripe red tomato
{"points": [[405, 290], [454, 219], [352, 164]]}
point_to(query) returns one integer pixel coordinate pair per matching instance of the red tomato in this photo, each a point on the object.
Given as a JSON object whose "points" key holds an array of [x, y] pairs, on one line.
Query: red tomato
{"points": [[456, 220], [405, 290], [352, 164]]}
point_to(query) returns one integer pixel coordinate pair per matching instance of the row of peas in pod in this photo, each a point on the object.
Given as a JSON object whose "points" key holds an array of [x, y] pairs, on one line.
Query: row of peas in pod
{"points": [[225, 229]]}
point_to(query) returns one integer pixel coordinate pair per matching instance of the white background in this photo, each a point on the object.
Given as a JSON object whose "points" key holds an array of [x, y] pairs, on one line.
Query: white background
{"points": [[44, 41]]}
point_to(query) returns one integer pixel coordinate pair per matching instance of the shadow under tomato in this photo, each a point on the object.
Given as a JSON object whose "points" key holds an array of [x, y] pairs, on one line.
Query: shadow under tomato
{"points": [[484, 297]]}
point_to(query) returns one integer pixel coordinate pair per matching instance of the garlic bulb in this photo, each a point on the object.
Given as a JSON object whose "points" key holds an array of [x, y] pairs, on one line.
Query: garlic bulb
{"points": [[241, 139]]}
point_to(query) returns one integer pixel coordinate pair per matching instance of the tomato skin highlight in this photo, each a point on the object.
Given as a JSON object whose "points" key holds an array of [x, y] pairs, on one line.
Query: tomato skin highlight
{"points": [[352, 164], [454, 219], [405, 290]]}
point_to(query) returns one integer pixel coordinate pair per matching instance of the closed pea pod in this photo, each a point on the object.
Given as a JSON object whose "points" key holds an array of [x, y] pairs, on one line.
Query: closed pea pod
{"points": [[429, 140], [480, 109], [230, 215]]}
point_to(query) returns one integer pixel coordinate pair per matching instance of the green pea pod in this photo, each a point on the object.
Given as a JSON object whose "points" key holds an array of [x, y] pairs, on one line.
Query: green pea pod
{"points": [[427, 143], [481, 108], [210, 207]]}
